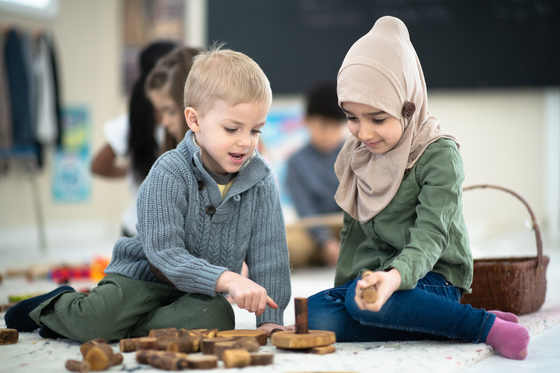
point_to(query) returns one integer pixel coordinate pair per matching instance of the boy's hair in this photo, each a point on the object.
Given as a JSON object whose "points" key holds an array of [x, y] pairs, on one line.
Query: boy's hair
{"points": [[223, 74], [321, 99]]}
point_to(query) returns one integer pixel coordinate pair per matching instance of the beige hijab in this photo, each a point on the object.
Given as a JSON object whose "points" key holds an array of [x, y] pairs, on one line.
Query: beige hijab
{"points": [[382, 70]]}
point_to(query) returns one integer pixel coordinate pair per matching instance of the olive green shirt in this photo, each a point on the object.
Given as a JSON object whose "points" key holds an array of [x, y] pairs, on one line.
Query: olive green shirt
{"points": [[421, 230]]}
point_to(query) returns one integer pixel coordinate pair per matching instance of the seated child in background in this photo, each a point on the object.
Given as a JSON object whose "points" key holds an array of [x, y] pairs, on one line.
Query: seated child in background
{"points": [[204, 208], [401, 181], [311, 180]]}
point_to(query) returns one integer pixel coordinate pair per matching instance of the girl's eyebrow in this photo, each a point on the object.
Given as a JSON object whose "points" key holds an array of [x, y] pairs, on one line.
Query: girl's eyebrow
{"points": [[380, 112]]}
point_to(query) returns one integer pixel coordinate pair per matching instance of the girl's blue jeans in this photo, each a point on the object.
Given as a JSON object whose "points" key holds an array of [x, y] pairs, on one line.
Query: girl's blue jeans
{"points": [[432, 310]]}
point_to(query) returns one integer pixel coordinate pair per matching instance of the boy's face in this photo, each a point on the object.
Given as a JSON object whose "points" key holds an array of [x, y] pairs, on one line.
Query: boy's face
{"points": [[379, 131], [325, 134], [227, 135], [168, 113]]}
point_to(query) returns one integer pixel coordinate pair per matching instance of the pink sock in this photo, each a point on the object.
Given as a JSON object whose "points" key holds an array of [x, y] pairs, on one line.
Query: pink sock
{"points": [[506, 316], [509, 338]]}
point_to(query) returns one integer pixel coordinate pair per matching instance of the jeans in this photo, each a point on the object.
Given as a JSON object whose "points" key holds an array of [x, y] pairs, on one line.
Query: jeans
{"points": [[432, 310]]}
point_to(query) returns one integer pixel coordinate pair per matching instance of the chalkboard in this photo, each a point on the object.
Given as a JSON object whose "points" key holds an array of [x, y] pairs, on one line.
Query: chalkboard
{"points": [[461, 43]]}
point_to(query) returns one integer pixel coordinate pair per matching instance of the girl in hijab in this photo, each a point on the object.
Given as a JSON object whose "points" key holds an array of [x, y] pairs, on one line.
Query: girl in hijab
{"points": [[400, 187]]}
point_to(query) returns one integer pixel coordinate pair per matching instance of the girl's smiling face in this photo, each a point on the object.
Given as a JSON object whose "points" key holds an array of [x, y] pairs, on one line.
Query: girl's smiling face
{"points": [[227, 135], [379, 131]]}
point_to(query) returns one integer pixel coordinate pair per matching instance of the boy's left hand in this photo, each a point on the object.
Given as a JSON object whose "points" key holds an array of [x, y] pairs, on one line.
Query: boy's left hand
{"points": [[385, 283], [268, 328]]}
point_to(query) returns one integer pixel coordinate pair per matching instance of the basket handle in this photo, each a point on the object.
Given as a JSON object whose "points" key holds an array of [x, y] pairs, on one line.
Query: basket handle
{"points": [[534, 221]]}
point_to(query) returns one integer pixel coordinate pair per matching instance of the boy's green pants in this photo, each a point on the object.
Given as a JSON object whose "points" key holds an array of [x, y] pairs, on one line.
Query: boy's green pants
{"points": [[120, 307]]}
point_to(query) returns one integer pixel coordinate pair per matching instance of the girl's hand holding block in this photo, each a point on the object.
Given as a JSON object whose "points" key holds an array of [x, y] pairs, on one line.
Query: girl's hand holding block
{"points": [[374, 288]]}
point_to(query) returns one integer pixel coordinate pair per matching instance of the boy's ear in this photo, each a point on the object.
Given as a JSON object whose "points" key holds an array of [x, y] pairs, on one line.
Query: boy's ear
{"points": [[191, 116]]}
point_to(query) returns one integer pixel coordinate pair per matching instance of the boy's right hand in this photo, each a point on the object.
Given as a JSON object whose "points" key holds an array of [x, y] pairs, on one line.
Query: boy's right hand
{"points": [[246, 293]]}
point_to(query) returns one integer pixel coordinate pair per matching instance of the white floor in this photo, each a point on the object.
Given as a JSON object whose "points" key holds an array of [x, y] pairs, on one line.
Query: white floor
{"points": [[79, 243]]}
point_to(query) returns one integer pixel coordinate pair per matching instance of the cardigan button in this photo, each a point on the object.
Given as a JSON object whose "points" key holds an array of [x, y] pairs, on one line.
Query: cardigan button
{"points": [[210, 210], [201, 185]]}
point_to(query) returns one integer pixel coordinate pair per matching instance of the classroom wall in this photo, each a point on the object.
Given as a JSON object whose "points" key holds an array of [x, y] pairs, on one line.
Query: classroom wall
{"points": [[87, 36], [502, 132]]}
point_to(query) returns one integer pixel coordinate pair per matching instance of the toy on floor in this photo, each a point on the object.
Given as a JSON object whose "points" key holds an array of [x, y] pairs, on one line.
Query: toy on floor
{"points": [[178, 349], [97, 355], [302, 339], [8, 336]]}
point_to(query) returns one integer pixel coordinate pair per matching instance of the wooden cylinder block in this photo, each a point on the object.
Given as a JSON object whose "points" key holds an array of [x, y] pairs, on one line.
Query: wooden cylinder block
{"points": [[8, 336], [202, 361], [128, 344], [167, 362], [261, 359], [208, 344], [84, 348], [236, 358], [146, 343], [100, 357], [164, 333], [301, 326]]}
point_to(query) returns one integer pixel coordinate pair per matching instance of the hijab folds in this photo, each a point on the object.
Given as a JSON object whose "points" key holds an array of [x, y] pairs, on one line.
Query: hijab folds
{"points": [[382, 70]]}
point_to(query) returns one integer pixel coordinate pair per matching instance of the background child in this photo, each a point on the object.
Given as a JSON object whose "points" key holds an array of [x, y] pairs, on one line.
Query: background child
{"points": [[311, 180], [401, 187], [204, 208], [138, 134]]}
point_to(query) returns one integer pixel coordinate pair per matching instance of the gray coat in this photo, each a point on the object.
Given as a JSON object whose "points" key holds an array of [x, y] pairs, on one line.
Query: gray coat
{"points": [[190, 236]]}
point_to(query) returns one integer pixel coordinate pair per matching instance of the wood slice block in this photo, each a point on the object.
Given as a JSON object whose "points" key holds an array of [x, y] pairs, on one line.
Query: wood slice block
{"points": [[259, 334], [208, 344], [261, 359], [369, 294], [202, 361], [8, 336], [323, 350], [220, 347], [251, 344], [315, 338], [164, 333], [236, 358]]}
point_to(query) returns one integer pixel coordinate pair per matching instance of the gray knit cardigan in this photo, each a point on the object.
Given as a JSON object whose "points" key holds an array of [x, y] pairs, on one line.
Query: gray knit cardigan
{"points": [[191, 235]]}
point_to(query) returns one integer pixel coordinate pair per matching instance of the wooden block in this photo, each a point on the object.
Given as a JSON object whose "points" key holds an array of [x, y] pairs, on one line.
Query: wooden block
{"points": [[164, 333], [301, 326], [8, 336], [323, 350], [77, 366], [84, 348], [259, 334], [261, 359], [142, 356], [251, 344], [210, 333], [191, 343], [290, 340], [236, 358], [99, 356], [117, 359], [369, 294], [207, 346], [147, 343], [167, 362], [202, 361], [220, 347], [128, 344]]}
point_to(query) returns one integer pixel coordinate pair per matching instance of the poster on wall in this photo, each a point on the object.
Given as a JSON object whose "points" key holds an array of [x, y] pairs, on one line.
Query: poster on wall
{"points": [[71, 178], [283, 134]]}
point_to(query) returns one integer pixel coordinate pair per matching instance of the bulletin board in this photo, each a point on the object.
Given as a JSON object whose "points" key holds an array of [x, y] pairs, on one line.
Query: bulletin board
{"points": [[461, 43]]}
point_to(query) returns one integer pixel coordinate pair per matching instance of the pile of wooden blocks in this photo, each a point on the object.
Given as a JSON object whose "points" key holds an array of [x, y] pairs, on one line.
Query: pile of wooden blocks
{"points": [[179, 349]]}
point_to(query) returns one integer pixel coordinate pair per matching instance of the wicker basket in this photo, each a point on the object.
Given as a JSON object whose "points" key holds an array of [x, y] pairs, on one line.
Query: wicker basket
{"points": [[516, 285]]}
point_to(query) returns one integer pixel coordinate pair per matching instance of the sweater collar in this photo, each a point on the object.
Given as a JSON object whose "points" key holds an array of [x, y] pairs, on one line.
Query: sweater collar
{"points": [[251, 173]]}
